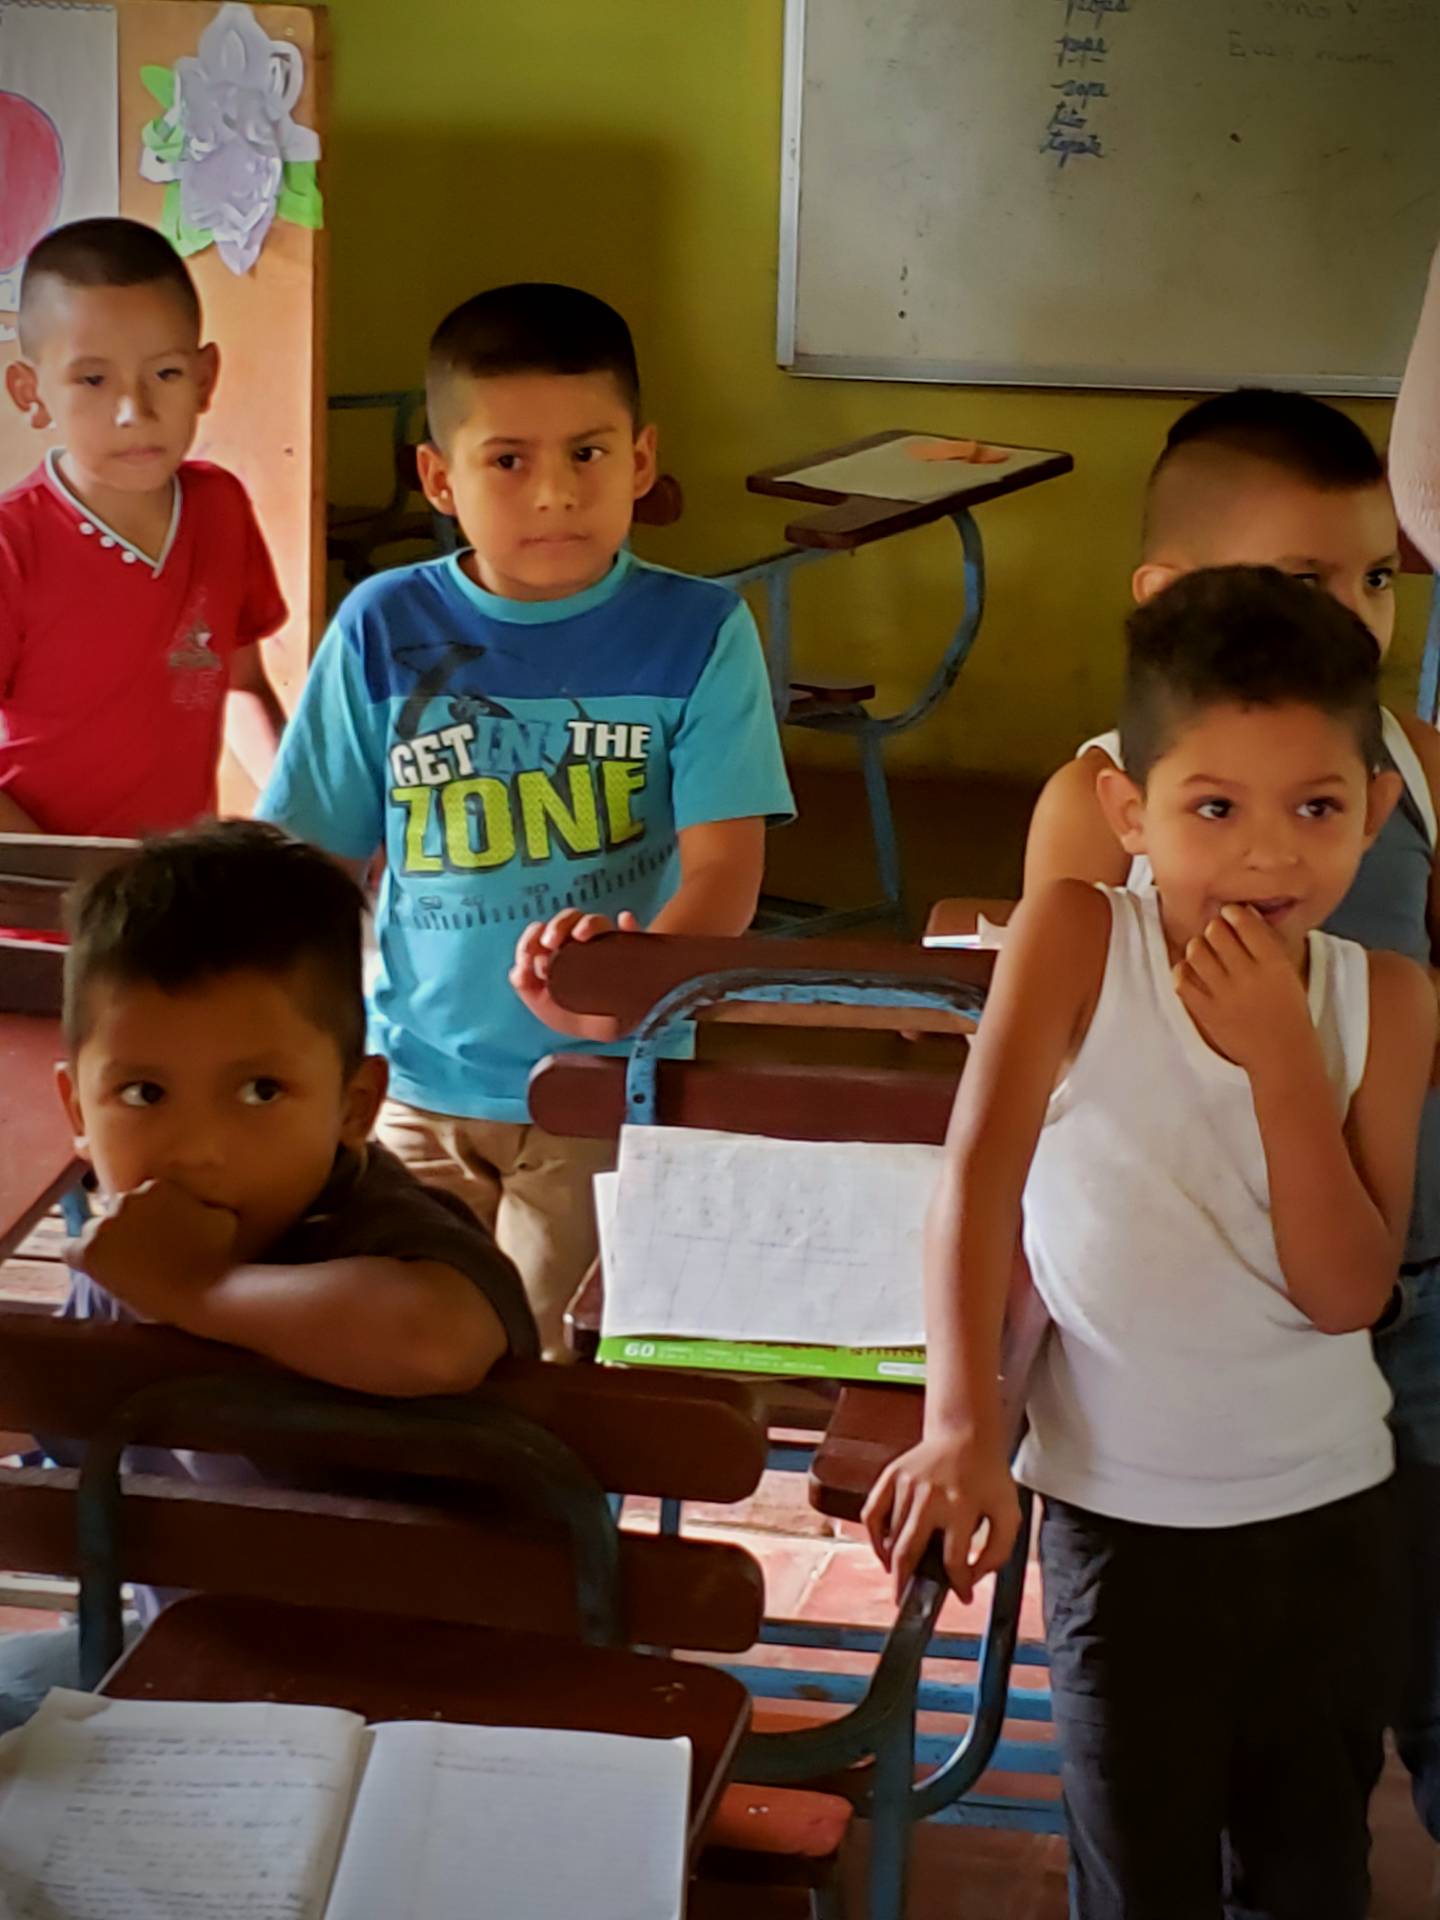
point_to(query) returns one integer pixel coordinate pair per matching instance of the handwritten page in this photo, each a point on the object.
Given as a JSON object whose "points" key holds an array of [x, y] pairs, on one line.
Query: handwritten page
{"points": [[728, 1236], [148, 1810], [889, 472], [456, 1823]]}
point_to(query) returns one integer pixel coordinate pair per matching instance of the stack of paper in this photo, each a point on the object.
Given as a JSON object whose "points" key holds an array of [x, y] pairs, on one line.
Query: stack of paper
{"points": [[763, 1255]]}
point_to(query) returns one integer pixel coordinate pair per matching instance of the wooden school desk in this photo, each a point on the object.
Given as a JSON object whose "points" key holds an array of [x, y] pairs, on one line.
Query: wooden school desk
{"points": [[424, 1596], [854, 514], [670, 980]]}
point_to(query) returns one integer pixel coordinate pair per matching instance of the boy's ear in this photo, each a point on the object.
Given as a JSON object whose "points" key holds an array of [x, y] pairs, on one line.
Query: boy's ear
{"points": [[1123, 804], [207, 373], [24, 389], [70, 1100], [646, 462], [1151, 577], [434, 471], [1380, 801], [364, 1096]]}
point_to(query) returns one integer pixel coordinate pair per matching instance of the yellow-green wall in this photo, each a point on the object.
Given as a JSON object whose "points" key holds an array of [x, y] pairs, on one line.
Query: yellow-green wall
{"points": [[631, 146]]}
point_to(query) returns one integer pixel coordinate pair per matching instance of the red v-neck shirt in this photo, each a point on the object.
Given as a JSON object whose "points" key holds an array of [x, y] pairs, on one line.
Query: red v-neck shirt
{"points": [[114, 666]]}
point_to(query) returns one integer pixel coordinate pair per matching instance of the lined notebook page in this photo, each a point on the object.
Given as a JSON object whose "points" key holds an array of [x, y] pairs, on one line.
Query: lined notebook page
{"points": [[156, 1811], [728, 1236], [462, 1823]]}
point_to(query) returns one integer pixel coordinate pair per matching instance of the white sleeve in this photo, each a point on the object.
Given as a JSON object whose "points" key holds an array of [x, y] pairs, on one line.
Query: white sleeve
{"points": [[1415, 436]]}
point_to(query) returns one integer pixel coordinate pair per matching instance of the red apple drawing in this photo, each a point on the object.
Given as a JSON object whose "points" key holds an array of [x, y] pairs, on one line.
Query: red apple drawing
{"points": [[32, 168]]}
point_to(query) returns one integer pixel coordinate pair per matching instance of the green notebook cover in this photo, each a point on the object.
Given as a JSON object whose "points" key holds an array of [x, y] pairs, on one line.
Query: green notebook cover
{"points": [[891, 1364]]}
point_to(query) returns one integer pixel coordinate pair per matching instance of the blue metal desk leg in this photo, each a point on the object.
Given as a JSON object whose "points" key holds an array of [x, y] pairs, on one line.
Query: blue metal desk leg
{"points": [[890, 1824], [773, 573], [870, 732], [882, 822]]}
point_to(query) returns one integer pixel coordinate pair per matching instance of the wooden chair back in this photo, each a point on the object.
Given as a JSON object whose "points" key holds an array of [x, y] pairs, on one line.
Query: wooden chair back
{"points": [[438, 1545], [38, 870], [628, 974]]}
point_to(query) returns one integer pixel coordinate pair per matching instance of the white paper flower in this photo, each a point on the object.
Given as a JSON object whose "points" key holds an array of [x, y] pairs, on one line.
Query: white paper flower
{"points": [[232, 113]]}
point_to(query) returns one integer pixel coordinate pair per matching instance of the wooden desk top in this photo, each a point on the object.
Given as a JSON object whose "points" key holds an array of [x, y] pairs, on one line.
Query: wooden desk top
{"points": [[853, 520], [37, 1154], [868, 1429], [217, 1647]]}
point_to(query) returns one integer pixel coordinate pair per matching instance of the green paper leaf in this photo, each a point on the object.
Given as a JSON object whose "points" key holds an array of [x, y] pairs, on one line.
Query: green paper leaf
{"points": [[160, 81], [163, 139], [185, 240], [300, 200]]}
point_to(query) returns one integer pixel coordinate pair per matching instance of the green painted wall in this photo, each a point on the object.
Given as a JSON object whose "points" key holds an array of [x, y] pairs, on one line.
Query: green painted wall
{"points": [[632, 146]]}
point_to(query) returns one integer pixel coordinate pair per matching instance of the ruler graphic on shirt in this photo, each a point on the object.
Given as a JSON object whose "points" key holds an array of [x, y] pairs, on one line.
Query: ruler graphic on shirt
{"points": [[429, 912]]}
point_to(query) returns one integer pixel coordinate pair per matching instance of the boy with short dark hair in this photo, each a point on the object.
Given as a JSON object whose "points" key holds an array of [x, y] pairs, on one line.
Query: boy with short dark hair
{"points": [[218, 1085], [548, 737], [135, 585], [219, 1088], [1284, 479], [1256, 477], [1210, 1110]]}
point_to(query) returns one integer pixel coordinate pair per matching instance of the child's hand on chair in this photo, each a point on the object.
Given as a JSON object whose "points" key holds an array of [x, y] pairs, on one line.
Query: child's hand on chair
{"points": [[530, 973], [950, 1486]]}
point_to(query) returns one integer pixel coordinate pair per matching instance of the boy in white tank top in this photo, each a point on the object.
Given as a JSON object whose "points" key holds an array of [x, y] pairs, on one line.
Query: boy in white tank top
{"points": [[1258, 477], [1211, 1110]]}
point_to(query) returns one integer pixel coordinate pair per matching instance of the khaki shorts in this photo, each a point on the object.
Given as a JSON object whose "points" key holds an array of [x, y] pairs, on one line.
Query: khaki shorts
{"points": [[532, 1189]]}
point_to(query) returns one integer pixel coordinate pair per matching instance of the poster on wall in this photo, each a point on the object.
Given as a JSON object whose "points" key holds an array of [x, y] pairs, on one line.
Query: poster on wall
{"points": [[59, 127]]}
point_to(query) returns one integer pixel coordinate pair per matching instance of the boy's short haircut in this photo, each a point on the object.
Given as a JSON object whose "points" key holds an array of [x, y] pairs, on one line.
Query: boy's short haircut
{"points": [[1248, 637], [1311, 441], [103, 253], [535, 326], [230, 896]]}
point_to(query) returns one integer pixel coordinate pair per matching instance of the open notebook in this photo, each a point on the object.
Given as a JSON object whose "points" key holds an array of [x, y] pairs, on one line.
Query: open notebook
{"points": [[757, 1255], [150, 1810]]}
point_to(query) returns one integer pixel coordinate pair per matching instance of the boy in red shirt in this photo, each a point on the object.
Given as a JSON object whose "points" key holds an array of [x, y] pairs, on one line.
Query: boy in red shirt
{"points": [[134, 584]]}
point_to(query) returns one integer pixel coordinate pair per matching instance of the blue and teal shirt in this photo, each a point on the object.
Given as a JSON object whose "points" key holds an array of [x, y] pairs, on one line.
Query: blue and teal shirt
{"points": [[514, 758]]}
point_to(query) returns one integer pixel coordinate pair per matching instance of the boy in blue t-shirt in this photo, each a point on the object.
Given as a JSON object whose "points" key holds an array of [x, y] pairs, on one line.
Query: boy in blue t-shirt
{"points": [[548, 737]]}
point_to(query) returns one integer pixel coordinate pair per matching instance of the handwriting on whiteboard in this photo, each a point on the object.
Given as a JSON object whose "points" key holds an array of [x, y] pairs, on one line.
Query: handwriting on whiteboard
{"points": [[1080, 48]]}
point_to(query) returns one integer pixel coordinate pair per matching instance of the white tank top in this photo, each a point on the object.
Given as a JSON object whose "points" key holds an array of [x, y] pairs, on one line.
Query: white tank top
{"points": [[1180, 1385]]}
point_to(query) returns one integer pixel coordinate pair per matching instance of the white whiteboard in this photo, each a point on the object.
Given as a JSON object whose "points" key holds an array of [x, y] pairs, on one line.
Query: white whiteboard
{"points": [[1108, 193]]}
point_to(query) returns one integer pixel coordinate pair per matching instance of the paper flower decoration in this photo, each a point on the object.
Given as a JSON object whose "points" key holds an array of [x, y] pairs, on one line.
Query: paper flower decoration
{"points": [[225, 143]]}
